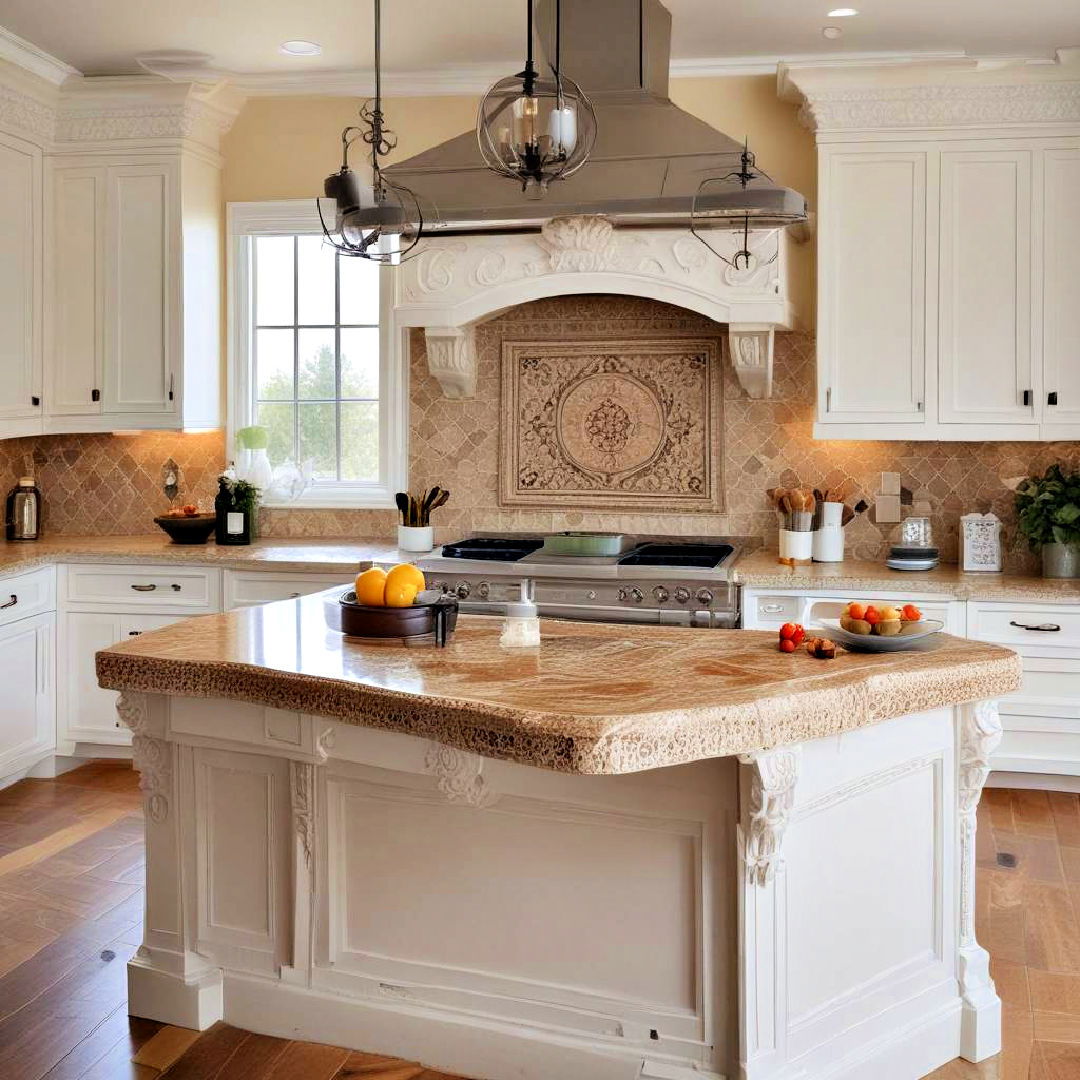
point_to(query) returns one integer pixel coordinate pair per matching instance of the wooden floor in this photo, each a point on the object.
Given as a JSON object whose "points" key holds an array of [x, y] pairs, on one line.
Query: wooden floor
{"points": [[71, 884]]}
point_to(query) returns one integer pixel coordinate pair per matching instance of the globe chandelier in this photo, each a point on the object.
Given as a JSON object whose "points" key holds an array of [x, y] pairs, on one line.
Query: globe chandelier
{"points": [[383, 223], [534, 129]]}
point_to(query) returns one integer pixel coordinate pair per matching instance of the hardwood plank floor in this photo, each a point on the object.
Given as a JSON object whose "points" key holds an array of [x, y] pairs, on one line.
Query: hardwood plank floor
{"points": [[71, 895]]}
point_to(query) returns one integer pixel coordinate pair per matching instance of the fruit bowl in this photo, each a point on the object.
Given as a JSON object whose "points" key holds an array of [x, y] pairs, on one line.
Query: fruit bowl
{"points": [[430, 613], [189, 529], [911, 633]]}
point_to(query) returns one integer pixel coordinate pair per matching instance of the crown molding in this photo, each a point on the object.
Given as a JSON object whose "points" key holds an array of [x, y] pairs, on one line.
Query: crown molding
{"points": [[25, 114], [722, 67], [29, 57]]}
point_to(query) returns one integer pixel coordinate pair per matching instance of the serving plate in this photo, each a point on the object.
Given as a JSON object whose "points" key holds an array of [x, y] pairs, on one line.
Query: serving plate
{"points": [[910, 634]]}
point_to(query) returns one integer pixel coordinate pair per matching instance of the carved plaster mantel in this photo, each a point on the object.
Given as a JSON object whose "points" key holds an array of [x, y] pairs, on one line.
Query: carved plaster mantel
{"points": [[456, 283]]}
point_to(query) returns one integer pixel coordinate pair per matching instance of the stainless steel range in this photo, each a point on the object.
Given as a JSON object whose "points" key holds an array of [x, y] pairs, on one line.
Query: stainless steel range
{"points": [[666, 581]]}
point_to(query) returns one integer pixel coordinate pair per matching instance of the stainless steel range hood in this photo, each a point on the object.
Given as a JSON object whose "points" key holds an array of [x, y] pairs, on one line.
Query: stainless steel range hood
{"points": [[650, 156]]}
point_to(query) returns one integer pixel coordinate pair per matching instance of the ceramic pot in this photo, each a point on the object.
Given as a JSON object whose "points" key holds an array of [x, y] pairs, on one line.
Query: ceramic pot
{"points": [[415, 537], [1061, 560]]}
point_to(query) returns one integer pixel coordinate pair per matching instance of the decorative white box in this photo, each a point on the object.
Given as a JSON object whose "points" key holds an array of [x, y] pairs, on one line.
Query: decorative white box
{"points": [[981, 534]]}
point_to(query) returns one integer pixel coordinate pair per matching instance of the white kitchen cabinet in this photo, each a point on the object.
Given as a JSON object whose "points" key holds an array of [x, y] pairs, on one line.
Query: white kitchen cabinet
{"points": [[255, 587], [984, 302], [133, 324], [20, 287], [88, 713], [946, 289], [1060, 269], [872, 317], [27, 676]]}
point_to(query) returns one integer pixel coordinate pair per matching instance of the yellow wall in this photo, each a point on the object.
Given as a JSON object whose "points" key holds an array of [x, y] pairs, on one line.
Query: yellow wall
{"points": [[283, 148]]}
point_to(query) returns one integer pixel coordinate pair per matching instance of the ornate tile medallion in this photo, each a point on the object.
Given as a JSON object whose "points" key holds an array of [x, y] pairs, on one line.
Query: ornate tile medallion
{"points": [[631, 423]]}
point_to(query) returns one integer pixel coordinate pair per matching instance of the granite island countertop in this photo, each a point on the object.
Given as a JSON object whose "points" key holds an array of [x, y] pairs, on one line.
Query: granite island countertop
{"points": [[594, 698]]}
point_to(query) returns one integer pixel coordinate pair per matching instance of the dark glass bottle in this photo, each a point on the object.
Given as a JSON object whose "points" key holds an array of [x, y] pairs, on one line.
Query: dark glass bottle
{"points": [[233, 524]]}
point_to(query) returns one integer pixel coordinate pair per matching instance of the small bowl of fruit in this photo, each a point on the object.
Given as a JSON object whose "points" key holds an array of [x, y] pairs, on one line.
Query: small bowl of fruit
{"points": [[882, 627], [186, 525], [393, 603]]}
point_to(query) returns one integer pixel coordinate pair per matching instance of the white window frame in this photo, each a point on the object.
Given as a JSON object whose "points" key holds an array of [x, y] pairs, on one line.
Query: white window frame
{"points": [[299, 217]]}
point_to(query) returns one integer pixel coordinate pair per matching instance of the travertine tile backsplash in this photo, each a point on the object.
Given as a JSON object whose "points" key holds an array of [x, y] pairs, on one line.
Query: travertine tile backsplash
{"points": [[112, 484]]}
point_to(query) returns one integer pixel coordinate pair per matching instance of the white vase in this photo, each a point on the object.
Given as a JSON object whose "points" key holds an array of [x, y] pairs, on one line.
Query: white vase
{"points": [[415, 537]]}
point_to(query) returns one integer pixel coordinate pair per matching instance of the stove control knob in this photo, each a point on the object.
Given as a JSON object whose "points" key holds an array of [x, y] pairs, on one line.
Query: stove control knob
{"points": [[591, 594], [661, 595], [635, 595], [704, 597], [682, 594], [484, 590], [462, 590]]}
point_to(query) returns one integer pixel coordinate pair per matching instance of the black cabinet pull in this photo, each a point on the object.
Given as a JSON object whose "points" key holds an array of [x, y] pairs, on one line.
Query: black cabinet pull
{"points": [[11, 603], [134, 633], [1051, 398], [95, 395], [1027, 397], [35, 400], [1046, 627]]}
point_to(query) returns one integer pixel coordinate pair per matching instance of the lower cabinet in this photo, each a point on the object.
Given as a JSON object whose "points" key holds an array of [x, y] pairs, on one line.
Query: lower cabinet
{"points": [[89, 713], [27, 731]]}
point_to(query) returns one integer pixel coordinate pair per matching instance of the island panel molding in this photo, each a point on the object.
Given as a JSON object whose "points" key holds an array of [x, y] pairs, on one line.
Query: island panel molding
{"points": [[615, 424]]}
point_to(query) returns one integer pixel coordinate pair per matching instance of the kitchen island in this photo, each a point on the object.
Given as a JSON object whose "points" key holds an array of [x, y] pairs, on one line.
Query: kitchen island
{"points": [[634, 852]]}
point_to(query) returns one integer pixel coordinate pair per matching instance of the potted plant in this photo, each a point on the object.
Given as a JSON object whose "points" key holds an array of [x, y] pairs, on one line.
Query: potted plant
{"points": [[1048, 513]]}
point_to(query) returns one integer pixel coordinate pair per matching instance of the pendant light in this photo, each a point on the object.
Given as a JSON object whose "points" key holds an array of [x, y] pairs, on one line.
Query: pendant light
{"points": [[536, 130], [745, 196], [383, 223]]}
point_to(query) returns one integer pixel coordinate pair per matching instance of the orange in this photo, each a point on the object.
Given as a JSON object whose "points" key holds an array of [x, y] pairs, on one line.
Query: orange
{"points": [[371, 587], [405, 572], [400, 593]]}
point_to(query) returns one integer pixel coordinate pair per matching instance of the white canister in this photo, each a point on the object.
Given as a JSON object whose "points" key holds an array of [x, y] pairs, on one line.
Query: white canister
{"points": [[415, 537], [796, 546], [982, 542], [828, 543]]}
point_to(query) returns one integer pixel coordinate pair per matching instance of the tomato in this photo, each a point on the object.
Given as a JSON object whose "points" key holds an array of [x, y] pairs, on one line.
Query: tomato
{"points": [[800, 634], [911, 613], [787, 630], [787, 645], [872, 616]]}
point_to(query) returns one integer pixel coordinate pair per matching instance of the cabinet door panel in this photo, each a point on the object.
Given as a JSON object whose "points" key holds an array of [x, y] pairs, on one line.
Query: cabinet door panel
{"points": [[1061, 275], [985, 288], [77, 272], [140, 278], [873, 263], [90, 711], [26, 675], [20, 230]]}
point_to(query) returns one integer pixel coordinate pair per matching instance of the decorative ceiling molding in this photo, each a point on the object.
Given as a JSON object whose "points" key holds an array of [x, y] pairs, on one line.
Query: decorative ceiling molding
{"points": [[942, 105], [24, 113], [29, 57]]}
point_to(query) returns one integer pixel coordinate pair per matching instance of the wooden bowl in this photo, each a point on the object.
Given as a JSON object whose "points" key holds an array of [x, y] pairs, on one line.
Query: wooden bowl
{"points": [[188, 530], [437, 617]]}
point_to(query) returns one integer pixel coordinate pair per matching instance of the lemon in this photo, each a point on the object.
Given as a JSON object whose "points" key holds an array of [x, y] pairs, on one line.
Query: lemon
{"points": [[371, 587], [400, 593], [405, 572]]}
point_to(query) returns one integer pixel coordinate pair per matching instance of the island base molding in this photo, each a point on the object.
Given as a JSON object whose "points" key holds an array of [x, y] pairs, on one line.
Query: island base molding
{"points": [[799, 912]]}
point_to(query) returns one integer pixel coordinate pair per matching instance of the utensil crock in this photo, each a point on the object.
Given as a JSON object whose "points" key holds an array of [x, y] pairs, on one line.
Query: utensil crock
{"points": [[1061, 560], [415, 537]]}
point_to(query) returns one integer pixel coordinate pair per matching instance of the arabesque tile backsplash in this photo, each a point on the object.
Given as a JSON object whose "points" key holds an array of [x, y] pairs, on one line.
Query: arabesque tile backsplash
{"points": [[110, 484]]}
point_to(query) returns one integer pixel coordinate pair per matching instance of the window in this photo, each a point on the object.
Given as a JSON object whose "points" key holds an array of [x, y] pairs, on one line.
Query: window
{"points": [[309, 362]]}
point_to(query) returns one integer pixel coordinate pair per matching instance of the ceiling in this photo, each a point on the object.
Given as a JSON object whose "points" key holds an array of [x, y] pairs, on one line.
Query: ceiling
{"points": [[104, 36]]}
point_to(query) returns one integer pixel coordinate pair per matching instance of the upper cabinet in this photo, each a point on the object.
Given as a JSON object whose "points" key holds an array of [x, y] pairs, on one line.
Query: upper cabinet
{"points": [[20, 286], [948, 252], [110, 250]]}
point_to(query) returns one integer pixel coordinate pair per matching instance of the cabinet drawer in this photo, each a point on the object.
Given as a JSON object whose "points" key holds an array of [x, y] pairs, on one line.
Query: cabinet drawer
{"points": [[244, 589], [165, 588], [1013, 625], [29, 594]]}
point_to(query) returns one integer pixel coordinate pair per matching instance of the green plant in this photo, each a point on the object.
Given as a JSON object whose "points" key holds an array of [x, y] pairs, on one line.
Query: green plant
{"points": [[244, 497], [1048, 508]]}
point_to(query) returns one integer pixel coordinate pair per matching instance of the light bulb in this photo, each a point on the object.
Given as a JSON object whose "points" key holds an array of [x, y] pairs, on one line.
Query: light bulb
{"points": [[526, 110], [562, 127]]}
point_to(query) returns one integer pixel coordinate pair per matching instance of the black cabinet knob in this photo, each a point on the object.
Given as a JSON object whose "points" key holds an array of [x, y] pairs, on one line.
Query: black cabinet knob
{"points": [[1027, 397], [35, 400], [1051, 398]]}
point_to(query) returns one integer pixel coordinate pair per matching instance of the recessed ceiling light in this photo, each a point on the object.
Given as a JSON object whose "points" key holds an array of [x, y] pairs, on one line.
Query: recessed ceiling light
{"points": [[831, 32], [843, 12], [300, 48]]}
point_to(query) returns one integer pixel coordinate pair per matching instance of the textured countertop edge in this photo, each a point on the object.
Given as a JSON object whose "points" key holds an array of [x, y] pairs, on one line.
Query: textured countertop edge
{"points": [[639, 743]]}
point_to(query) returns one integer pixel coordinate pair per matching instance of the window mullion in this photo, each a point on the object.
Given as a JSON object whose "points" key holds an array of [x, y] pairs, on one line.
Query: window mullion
{"points": [[337, 365], [296, 349]]}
